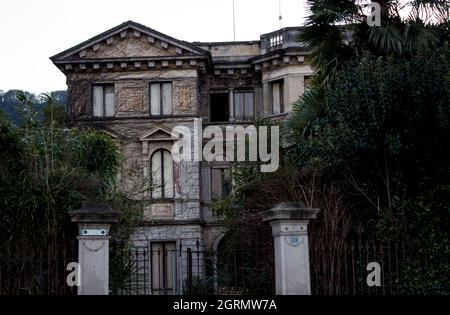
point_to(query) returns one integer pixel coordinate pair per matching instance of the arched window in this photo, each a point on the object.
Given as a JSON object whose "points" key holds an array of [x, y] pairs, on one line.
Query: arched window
{"points": [[162, 175]]}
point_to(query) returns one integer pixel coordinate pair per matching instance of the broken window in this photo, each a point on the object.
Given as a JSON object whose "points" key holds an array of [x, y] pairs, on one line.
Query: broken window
{"points": [[243, 105], [220, 182], [103, 100], [219, 107], [163, 268], [162, 186], [277, 91], [161, 98]]}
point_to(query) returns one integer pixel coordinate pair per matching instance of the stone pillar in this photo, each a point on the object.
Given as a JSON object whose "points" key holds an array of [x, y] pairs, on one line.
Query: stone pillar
{"points": [[289, 223], [267, 106], [93, 248], [231, 105]]}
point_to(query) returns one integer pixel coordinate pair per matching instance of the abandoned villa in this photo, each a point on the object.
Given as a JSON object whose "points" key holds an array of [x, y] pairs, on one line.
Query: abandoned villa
{"points": [[136, 84]]}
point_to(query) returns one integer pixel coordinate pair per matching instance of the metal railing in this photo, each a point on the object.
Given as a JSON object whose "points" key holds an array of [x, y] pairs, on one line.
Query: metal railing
{"points": [[345, 271], [189, 271], [37, 275]]}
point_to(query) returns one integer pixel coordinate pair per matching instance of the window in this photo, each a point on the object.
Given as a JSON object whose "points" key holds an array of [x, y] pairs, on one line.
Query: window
{"points": [[161, 98], [220, 182], [243, 105], [219, 107], [163, 268], [103, 100], [307, 83], [277, 89], [162, 175]]}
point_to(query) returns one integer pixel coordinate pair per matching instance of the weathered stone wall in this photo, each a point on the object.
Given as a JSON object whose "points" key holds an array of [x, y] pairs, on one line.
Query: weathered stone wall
{"points": [[79, 97], [132, 91], [131, 98]]}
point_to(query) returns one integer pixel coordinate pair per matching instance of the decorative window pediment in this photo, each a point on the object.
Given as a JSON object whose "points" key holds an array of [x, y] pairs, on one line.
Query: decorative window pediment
{"points": [[158, 134], [114, 135]]}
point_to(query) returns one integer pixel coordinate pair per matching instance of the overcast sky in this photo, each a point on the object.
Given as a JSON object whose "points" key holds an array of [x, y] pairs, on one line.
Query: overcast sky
{"points": [[31, 31]]}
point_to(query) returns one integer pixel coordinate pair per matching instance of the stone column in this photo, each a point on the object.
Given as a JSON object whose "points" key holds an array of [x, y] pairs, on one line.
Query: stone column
{"points": [[289, 223], [93, 248], [267, 106], [231, 105]]}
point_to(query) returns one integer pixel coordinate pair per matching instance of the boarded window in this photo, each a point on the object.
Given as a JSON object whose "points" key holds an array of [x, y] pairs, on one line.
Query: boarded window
{"points": [[161, 99], [277, 88], [219, 107], [163, 268], [162, 175], [220, 182], [103, 100], [243, 105]]}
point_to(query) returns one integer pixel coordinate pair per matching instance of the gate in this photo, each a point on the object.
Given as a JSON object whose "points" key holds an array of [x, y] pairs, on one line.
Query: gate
{"points": [[164, 269]]}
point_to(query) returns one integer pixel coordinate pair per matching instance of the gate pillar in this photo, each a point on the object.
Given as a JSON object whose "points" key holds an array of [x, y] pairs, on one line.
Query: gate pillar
{"points": [[289, 223], [93, 248]]}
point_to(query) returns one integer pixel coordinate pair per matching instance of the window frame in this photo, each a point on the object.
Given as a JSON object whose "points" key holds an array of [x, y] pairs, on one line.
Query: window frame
{"points": [[280, 83], [244, 91], [221, 168], [103, 85], [161, 97], [162, 176], [164, 290]]}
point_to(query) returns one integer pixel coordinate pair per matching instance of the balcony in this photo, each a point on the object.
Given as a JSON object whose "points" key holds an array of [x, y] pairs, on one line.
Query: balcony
{"points": [[284, 38]]}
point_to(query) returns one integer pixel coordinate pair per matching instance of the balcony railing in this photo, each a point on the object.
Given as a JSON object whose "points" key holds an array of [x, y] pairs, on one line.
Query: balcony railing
{"points": [[283, 38]]}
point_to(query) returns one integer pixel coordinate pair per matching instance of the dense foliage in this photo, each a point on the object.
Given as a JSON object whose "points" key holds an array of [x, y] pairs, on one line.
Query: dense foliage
{"points": [[46, 170], [14, 110], [368, 143]]}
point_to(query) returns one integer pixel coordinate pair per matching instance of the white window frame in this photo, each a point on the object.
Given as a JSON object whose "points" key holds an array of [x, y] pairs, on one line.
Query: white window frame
{"points": [[164, 106], [99, 102], [165, 180]]}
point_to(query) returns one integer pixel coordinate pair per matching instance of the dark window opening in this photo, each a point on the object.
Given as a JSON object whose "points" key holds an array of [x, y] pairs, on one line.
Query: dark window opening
{"points": [[219, 107]]}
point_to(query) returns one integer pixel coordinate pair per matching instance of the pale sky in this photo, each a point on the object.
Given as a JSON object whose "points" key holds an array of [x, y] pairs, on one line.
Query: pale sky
{"points": [[31, 31]]}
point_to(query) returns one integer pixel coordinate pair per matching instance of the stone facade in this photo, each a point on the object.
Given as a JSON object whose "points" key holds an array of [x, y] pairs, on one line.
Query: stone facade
{"points": [[130, 58]]}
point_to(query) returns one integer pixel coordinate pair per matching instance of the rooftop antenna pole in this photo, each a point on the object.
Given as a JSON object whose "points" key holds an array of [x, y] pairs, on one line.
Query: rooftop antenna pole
{"points": [[234, 23], [280, 17]]}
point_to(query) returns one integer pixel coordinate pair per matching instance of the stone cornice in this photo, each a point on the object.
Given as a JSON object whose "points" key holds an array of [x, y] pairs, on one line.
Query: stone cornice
{"points": [[122, 29]]}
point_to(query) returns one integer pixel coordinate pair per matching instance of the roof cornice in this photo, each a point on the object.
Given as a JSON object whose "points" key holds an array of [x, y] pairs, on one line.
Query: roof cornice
{"points": [[122, 27]]}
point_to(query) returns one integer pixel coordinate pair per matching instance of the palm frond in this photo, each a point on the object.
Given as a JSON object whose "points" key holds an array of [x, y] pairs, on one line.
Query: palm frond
{"points": [[387, 39]]}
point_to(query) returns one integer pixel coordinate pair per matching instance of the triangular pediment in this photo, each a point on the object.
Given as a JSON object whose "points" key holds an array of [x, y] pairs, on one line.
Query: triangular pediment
{"points": [[129, 40], [160, 133], [114, 135]]}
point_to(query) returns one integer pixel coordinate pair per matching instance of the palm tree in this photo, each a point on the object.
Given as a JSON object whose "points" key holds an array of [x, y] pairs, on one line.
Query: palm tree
{"points": [[337, 30]]}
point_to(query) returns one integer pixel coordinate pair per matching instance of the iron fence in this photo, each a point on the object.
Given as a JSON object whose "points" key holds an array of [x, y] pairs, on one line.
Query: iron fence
{"points": [[345, 271], [31, 276], [146, 270]]}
